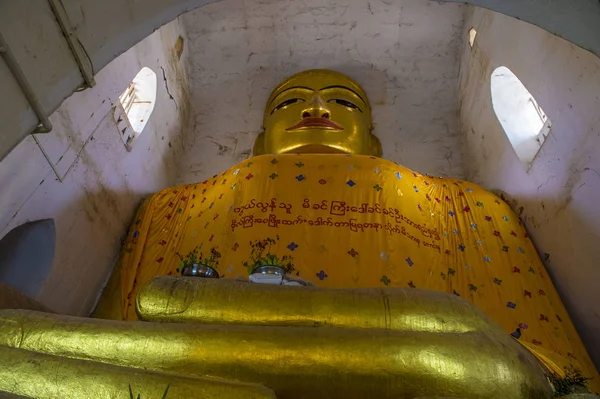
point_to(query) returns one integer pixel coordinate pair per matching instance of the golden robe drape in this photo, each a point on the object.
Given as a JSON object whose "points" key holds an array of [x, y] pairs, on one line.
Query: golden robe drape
{"points": [[359, 221]]}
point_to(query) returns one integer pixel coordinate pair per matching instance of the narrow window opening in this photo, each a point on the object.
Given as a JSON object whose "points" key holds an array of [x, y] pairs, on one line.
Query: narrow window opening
{"points": [[135, 106], [524, 121], [472, 35]]}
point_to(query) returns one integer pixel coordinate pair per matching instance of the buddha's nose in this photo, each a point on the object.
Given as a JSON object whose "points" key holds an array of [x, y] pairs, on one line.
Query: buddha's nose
{"points": [[316, 108]]}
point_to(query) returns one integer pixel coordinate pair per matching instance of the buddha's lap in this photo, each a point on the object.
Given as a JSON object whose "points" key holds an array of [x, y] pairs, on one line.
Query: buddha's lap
{"points": [[357, 222]]}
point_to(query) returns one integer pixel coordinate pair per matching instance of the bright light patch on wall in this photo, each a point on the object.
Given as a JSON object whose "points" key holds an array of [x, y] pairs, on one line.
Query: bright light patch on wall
{"points": [[135, 106], [523, 120], [472, 35]]}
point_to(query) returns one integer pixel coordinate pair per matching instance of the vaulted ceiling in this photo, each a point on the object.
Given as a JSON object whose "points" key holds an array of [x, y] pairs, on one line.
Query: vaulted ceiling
{"points": [[59, 45]]}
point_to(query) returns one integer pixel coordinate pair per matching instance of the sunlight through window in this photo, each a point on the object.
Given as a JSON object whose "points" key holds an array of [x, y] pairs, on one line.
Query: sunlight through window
{"points": [[135, 106], [522, 118], [472, 35]]}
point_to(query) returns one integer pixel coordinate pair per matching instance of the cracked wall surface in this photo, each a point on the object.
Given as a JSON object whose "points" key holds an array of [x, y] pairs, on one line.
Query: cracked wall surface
{"points": [[102, 183], [557, 198], [405, 53]]}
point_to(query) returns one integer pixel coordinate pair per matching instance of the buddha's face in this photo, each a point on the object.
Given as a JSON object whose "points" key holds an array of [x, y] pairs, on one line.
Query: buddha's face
{"points": [[318, 112]]}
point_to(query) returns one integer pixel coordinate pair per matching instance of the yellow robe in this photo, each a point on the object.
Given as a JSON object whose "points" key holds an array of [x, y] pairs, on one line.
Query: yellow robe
{"points": [[359, 221]]}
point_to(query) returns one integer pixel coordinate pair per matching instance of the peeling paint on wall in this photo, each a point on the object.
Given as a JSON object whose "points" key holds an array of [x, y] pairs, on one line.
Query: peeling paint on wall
{"points": [[103, 183], [405, 54]]}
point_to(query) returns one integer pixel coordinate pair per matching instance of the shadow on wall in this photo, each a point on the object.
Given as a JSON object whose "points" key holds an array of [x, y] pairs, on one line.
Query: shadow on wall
{"points": [[585, 228], [26, 256], [424, 143], [90, 232], [404, 69]]}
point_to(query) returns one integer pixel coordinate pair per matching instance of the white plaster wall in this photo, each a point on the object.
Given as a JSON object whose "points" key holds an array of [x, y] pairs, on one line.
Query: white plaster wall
{"points": [[558, 198], [574, 20], [103, 184], [405, 53], [107, 29]]}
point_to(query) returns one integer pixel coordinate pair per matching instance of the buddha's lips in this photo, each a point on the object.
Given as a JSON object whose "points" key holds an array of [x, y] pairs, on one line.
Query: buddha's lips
{"points": [[315, 122]]}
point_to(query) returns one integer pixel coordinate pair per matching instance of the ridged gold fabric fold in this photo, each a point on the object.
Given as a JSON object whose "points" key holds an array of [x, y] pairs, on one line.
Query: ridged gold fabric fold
{"points": [[358, 222], [42, 376], [223, 301], [296, 362], [192, 300]]}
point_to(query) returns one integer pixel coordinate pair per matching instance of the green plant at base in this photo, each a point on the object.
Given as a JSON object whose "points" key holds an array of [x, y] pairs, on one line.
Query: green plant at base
{"points": [[566, 385], [261, 255], [193, 258], [139, 396]]}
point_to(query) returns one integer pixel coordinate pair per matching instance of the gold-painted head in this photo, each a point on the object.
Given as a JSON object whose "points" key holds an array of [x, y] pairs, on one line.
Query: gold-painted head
{"points": [[318, 112]]}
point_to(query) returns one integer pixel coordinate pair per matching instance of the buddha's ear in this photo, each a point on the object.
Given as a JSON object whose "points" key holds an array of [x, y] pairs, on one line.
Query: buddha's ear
{"points": [[259, 145], [375, 146]]}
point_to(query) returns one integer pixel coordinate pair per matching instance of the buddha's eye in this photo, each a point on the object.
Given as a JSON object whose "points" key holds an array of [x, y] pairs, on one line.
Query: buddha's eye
{"points": [[344, 103], [286, 103]]}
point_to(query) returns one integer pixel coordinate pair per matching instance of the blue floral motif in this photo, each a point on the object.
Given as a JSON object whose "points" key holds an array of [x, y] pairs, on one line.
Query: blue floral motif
{"points": [[409, 261], [300, 177], [487, 259], [398, 175], [511, 305], [473, 225], [292, 246], [321, 275], [416, 189], [505, 218], [455, 231], [469, 190], [451, 213], [351, 183], [521, 250], [461, 247]]}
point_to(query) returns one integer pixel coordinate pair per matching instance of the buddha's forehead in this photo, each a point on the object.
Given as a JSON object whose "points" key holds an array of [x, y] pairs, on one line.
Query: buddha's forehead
{"points": [[317, 79]]}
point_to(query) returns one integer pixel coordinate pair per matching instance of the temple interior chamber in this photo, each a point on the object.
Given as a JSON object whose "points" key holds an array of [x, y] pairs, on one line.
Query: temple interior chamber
{"points": [[484, 157]]}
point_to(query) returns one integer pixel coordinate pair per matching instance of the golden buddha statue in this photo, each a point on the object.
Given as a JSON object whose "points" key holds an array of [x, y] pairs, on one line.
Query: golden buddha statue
{"points": [[374, 239], [318, 112]]}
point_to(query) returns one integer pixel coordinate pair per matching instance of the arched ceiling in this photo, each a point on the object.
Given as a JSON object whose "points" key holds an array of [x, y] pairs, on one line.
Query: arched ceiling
{"points": [[577, 21], [37, 42]]}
